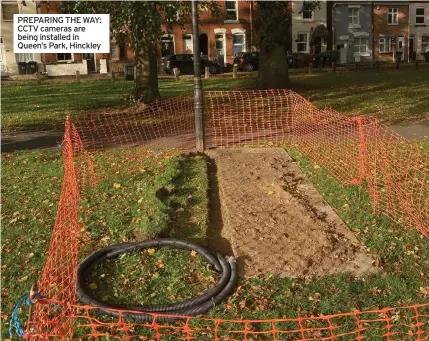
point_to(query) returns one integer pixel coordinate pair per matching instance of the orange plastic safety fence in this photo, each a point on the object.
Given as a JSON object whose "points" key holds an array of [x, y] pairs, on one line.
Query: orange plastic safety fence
{"points": [[399, 323], [353, 150]]}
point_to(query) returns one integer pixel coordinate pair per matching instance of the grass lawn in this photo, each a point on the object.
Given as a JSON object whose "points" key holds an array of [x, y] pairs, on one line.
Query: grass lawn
{"points": [[44, 107], [388, 95], [153, 193], [150, 192]]}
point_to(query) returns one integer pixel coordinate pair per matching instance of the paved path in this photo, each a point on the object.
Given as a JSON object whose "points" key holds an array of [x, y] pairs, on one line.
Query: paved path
{"points": [[412, 130], [29, 140]]}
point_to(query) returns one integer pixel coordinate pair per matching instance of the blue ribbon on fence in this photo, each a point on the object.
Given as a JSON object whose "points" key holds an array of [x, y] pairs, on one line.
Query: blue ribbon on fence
{"points": [[14, 321]]}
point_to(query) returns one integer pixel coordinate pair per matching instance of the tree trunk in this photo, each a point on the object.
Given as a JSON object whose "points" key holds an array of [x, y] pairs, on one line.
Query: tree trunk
{"points": [[146, 75], [273, 68]]}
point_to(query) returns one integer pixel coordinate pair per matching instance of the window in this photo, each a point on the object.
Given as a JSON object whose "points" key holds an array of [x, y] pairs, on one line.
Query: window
{"points": [[9, 10], [1, 48], [301, 45], [353, 16], [219, 41], [392, 16], [64, 56], [420, 15], [238, 44], [231, 10], [24, 57], [172, 13], [307, 14], [425, 43], [187, 43], [167, 45], [385, 45], [360, 44], [113, 53], [220, 47]]}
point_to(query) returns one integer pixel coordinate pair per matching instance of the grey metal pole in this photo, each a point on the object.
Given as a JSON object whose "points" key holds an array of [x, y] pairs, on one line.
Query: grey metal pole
{"points": [[198, 85]]}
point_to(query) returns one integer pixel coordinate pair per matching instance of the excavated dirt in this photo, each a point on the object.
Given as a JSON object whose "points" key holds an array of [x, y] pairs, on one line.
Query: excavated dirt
{"points": [[275, 220]]}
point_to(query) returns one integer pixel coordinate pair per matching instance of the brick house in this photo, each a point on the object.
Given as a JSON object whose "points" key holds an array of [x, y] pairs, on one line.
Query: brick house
{"points": [[391, 30], [60, 64], [220, 38]]}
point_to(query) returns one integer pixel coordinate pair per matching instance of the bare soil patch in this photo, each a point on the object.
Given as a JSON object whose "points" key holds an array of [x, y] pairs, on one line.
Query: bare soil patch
{"points": [[277, 222]]}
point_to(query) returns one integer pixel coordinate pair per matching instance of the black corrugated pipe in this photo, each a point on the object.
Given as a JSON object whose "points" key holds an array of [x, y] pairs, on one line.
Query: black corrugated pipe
{"points": [[224, 287]]}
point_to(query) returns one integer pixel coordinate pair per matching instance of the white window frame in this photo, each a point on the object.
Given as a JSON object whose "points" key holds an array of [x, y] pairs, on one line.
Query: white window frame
{"points": [[387, 42], [1, 50], [183, 41], [64, 60], [9, 3], [221, 31], [420, 16], [232, 10], [244, 41], [393, 11], [113, 46], [360, 45], [353, 8], [307, 19], [424, 45], [306, 42], [173, 40]]}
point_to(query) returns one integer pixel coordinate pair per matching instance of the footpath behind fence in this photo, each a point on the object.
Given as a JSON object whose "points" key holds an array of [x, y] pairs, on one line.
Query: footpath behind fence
{"points": [[355, 151]]}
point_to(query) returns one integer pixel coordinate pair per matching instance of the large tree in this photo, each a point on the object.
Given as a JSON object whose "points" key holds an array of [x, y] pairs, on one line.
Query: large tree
{"points": [[141, 23], [272, 26]]}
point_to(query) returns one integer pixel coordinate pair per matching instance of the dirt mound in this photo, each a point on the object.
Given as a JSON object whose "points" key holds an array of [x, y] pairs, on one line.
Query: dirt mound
{"points": [[277, 222]]}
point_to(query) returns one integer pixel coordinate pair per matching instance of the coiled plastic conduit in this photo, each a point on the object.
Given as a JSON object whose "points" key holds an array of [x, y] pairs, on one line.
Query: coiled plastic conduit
{"points": [[224, 287]]}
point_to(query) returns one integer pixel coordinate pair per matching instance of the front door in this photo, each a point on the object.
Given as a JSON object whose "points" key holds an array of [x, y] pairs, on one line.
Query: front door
{"points": [[411, 49], [187, 44], [343, 51], [401, 46], [90, 61], [220, 49], [318, 45]]}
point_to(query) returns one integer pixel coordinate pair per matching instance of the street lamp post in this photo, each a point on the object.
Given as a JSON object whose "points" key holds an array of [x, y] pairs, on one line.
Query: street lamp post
{"points": [[198, 85]]}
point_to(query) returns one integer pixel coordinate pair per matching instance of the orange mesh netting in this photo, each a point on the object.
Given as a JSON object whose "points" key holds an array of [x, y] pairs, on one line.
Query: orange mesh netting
{"points": [[354, 150]]}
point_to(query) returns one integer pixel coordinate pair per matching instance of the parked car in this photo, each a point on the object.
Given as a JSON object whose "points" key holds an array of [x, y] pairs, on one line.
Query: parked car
{"points": [[247, 61], [185, 63]]}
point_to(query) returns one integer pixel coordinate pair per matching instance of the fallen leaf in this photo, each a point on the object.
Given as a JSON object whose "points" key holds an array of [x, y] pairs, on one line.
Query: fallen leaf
{"points": [[151, 251], [93, 286], [270, 193], [116, 185], [23, 279], [193, 253], [424, 291]]}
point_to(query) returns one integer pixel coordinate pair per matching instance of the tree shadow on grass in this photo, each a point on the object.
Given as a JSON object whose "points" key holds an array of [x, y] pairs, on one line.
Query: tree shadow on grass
{"points": [[189, 201]]}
